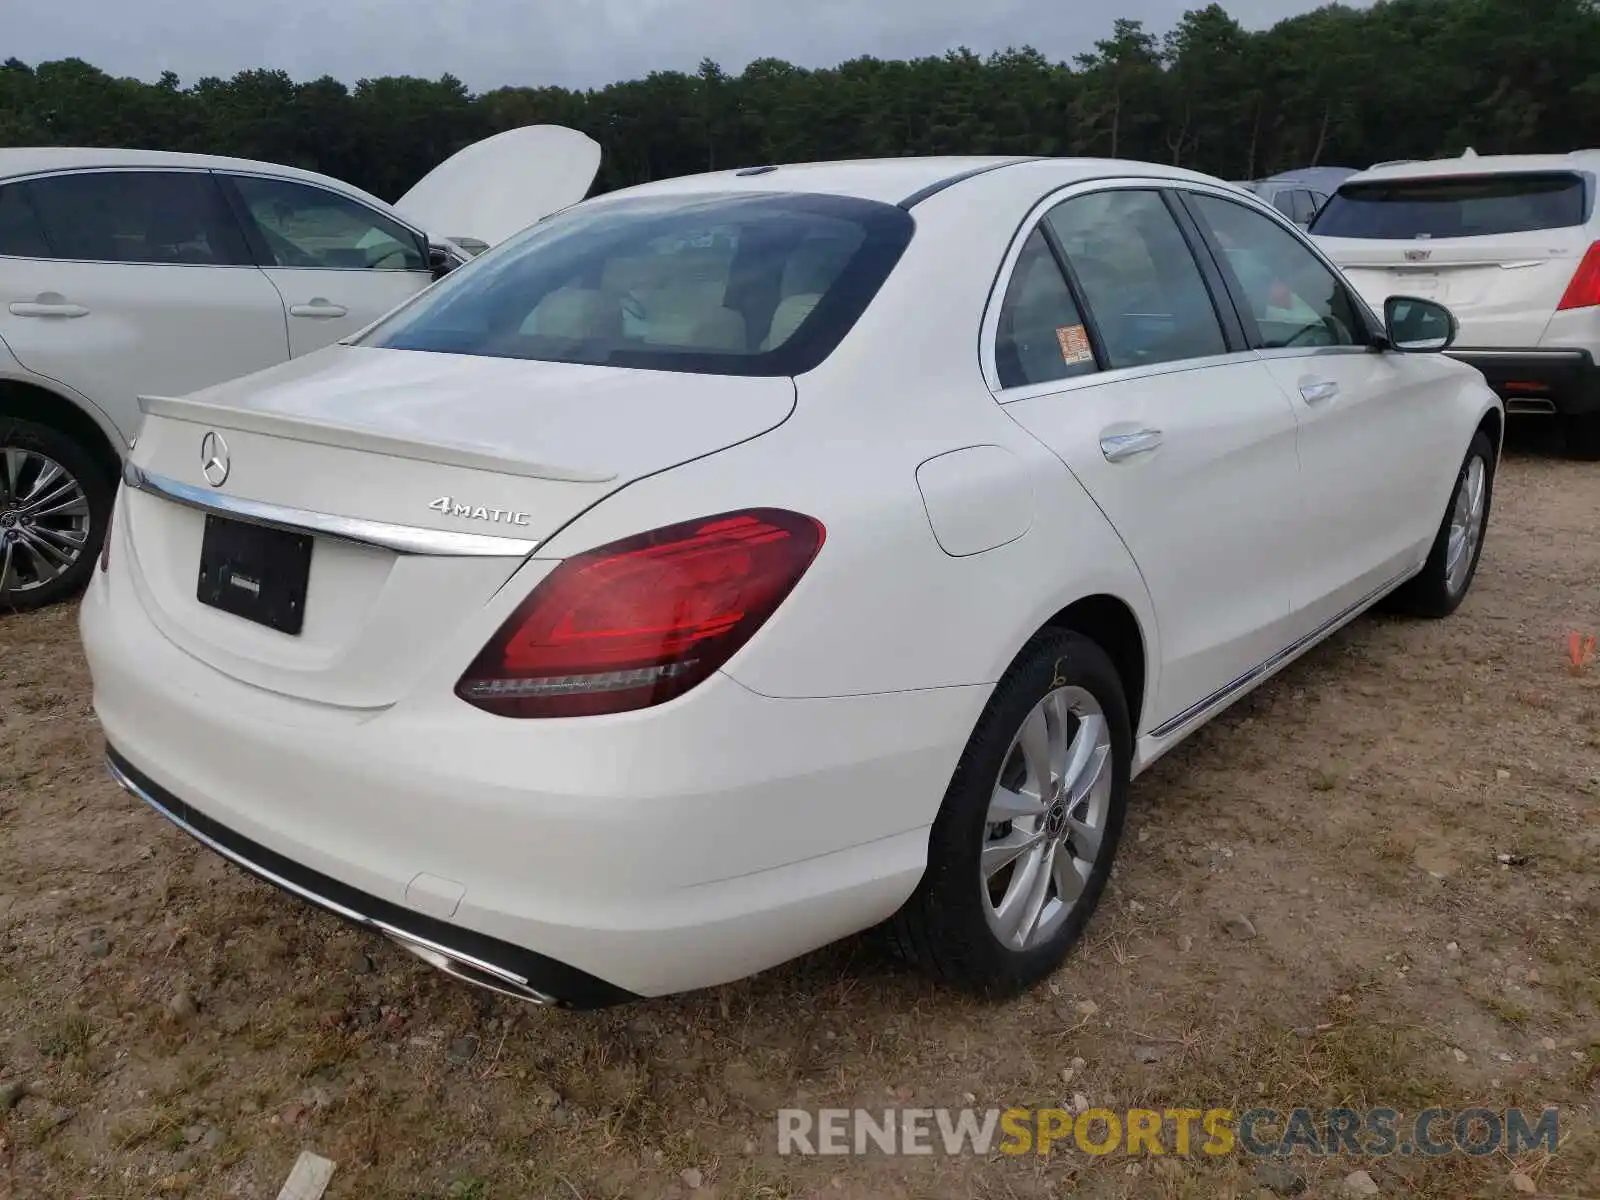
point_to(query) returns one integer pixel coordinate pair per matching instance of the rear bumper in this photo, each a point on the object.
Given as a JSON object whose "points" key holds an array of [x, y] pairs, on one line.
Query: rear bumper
{"points": [[593, 859], [1552, 381], [464, 953]]}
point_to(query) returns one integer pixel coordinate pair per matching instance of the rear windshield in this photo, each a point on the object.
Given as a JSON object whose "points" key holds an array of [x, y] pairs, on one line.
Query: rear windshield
{"points": [[1476, 206], [751, 284]]}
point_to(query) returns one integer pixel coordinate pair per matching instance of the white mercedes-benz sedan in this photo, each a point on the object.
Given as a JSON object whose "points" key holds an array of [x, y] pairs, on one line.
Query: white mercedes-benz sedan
{"points": [[724, 566]]}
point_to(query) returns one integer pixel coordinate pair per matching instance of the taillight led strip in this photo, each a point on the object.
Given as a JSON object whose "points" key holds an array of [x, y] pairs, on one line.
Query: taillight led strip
{"points": [[643, 620]]}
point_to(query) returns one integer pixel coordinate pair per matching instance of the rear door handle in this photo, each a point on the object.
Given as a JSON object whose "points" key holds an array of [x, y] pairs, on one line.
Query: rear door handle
{"points": [[318, 307], [34, 308], [1118, 446], [1316, 391]]}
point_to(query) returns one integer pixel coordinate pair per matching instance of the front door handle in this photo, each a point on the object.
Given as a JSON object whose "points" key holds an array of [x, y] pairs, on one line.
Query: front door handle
{"points": [[35, 308], [318, 307], [1118, 446], [1316, 391]]}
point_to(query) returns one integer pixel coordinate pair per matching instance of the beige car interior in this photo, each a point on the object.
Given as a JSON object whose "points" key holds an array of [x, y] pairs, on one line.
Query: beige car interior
{"points": [[677, 299]]}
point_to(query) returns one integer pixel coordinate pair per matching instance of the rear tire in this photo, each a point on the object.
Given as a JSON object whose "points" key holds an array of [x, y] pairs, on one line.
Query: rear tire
{"points": [[997, 910], [1582, 436], [1453, 562], [55, 501]]}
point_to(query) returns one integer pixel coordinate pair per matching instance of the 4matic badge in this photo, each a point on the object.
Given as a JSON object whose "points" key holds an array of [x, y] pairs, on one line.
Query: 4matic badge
{"points": [[452, 507]]}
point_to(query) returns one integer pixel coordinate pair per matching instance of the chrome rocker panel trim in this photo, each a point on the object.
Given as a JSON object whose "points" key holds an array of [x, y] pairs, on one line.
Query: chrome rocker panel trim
{"points": [[1230, 691]]}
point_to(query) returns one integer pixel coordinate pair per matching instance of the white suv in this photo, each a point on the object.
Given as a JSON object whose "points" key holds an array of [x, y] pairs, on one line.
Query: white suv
{"points": [[1511, 244], [129, 272]]}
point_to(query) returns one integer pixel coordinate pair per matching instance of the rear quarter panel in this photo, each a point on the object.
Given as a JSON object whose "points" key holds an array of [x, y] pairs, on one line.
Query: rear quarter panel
{"points": [[119, 425], [884, 608]]}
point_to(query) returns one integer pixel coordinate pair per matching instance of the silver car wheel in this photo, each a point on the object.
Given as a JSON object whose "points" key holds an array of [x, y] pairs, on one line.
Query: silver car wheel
{"points": [[1466, 524], [1046, 818], [44, 520]]}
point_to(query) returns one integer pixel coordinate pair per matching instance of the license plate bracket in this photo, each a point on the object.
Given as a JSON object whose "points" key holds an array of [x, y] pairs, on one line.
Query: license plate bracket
{"points": [[255, 572]]}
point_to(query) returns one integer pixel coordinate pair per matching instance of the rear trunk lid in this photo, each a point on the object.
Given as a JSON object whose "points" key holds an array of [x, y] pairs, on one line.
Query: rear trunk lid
{"points": [[425, 479], [1498, 250]]}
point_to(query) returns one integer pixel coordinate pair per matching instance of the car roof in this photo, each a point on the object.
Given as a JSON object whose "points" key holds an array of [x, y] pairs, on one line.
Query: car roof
{"points": [[901, 181], [32, 160], [1480, 164]]}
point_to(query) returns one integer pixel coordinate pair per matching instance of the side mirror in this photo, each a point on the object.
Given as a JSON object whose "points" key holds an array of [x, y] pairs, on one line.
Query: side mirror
{"points": [[1416, 326], [440, 261]]}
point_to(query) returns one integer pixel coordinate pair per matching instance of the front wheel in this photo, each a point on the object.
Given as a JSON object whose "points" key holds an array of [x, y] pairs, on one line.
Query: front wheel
{"points": [[1023, 844], [54, 504], [1453, 562]]}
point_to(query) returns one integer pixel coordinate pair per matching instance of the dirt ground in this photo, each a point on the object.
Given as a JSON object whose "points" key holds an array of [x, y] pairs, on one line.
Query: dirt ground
{"points": [[185, 1030]]}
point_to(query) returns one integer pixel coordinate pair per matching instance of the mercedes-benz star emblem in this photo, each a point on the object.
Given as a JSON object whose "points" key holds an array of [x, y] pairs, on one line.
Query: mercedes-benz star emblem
{"points": [[214, 459]]}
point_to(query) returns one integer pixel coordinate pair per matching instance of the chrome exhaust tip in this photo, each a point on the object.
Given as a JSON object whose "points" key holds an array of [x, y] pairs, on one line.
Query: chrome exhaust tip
{"points": [[480, 974]]}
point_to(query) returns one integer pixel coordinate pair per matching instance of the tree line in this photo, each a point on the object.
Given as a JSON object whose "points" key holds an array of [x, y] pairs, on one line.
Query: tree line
{"points": [[1339, 86]]}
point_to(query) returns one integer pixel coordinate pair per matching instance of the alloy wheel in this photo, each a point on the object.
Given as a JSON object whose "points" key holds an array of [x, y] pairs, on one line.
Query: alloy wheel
{"points": [[1466, 524], [1046, 818], [44, 520]]}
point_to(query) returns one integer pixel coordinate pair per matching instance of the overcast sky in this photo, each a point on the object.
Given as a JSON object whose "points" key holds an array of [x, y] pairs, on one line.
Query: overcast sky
{"points": [[575, 43]]}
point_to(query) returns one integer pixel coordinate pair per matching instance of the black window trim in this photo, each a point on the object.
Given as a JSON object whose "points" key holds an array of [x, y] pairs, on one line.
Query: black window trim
{"points": [[1236, 348], [1373, 329], [224, 213], [262, 254], [1074, 289], [1223, 301]]}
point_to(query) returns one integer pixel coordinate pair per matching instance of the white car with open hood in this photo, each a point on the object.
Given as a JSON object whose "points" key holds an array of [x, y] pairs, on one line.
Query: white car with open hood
{"points": [[1511, 245], [128, 272], [723, 566]]}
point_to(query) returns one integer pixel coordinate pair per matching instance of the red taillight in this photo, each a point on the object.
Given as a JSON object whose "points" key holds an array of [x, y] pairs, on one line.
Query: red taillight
{"points": [[1584, 290], [642, 620]]}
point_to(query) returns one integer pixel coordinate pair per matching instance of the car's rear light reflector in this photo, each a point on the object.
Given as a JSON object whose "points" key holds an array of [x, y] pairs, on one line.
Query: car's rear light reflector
{"points": [[1584, 290], [643, 620], [1524, 385]]}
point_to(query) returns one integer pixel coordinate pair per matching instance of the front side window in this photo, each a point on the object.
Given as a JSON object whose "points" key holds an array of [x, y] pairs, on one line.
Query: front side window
{"points": [[174, 217], [1294, 299], [1140, 281], [1041, 335], [305, 226], [21, 231], [758, 284], [1455, 206]]}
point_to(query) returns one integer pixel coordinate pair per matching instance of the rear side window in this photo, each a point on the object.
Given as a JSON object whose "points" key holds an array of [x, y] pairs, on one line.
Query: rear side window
{"points": [[1146, 296], [21, 232], [175, 217], [760, 284], [1468, 206], [1041, 337]]}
